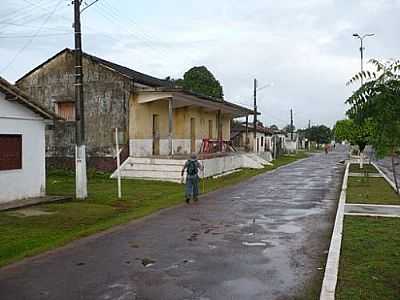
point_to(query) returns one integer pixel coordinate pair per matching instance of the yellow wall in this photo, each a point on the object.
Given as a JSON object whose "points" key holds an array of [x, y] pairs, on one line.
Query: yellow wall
{"points": [[141, 121]]}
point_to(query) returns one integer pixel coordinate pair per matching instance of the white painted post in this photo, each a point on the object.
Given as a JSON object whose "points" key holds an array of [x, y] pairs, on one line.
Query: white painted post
{"points": [[204, 177], [118, 164]]}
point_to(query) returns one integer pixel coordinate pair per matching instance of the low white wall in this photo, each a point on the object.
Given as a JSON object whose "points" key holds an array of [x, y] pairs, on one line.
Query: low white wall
{"points": [[170, 169], [266, 155], [290, 146], [30, 181], [144, 147]]}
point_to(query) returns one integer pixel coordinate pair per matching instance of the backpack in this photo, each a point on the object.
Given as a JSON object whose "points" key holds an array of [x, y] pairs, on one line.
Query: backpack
{"points": [[192, 168]]}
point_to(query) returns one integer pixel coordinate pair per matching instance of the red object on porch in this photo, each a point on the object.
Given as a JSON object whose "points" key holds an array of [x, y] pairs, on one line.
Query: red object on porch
{"points": [[213, 146]]}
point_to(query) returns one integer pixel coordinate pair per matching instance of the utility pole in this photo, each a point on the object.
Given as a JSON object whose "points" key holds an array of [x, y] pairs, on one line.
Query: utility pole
{"points": [[291, 124], [255, 110], [80, 148]]}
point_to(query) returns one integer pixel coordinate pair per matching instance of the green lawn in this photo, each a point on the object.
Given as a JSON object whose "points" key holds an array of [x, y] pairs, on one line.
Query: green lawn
{"points": [[371, 191], [370, 259], [26, 236], [355, 168]]}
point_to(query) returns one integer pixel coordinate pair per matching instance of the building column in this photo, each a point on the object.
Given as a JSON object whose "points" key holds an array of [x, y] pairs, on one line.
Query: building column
{"points": [[170, 122], [219, 118]]}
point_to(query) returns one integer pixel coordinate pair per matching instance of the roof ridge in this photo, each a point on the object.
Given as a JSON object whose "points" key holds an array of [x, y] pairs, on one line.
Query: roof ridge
{"points": [[140, 77]]}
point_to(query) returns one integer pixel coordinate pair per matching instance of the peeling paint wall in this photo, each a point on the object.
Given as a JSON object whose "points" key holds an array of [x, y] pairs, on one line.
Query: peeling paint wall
{"points": [[106, 96]]}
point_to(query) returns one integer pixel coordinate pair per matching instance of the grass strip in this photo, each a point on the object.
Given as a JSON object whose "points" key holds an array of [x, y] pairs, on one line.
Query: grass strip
{"points": [[371, 190], [355, 168], [370, 259], [27, 236]]}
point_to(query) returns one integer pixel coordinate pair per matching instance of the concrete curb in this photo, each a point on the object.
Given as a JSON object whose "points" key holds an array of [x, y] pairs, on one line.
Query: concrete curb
{"points": [[332, 263], [372, 215], [372, 175], [373, 205], [390, 181]]}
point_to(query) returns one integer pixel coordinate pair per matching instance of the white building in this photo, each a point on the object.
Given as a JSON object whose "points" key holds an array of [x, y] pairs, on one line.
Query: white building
{"points": [[22, 145]]}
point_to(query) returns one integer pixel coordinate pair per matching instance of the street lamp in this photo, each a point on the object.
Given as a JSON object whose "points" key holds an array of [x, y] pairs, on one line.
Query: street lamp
{"points": [[361, 38]]}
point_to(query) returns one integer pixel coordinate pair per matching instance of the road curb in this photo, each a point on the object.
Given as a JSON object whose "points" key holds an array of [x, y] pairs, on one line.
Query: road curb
{"points": [[332, 264]]}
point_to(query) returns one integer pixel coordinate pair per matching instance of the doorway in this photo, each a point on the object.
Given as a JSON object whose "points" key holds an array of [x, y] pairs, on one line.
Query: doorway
{"points": [[156, 135]]}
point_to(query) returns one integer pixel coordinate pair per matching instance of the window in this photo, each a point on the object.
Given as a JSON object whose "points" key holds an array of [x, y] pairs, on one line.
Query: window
{"points": [[66, 110], [262, 141], [10, 152], [210, 129]]}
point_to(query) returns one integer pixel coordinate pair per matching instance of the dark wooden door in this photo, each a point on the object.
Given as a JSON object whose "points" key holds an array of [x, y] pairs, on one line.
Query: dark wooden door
{"points": [[156, 135]]}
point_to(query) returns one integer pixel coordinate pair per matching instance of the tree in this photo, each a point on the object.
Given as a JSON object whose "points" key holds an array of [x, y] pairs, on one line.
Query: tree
{"points": [[320, 134], [201, 80], [378, 102], [274, 127], [357, 134], [288, 128]]}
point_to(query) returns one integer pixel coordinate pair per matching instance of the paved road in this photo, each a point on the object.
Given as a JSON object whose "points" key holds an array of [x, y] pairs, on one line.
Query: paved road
{"points": [[262, 239]]}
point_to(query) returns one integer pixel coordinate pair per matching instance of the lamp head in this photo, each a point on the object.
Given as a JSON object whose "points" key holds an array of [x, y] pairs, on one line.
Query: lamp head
{"points": [[356, 35]]}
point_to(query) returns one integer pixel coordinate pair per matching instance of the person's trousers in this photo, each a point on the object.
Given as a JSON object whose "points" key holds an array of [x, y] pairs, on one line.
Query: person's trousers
{"points": [[192, 187]]}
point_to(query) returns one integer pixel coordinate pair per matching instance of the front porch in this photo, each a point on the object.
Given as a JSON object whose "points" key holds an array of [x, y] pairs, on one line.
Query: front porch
{"points": [[167, 125], [171, 122]]}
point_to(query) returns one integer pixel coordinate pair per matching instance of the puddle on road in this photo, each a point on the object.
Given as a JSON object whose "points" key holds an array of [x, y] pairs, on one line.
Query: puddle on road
{"points": [[254, 244], [246, 287], [287, 228]]}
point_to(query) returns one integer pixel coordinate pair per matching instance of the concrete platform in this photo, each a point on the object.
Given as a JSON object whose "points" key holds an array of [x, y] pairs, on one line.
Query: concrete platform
{"points": [[372, 210], [376, 175], [32, 201]]}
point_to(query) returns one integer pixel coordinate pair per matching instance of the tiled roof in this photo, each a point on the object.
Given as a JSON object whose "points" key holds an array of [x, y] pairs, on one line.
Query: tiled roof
{"points": [[125, 71]]}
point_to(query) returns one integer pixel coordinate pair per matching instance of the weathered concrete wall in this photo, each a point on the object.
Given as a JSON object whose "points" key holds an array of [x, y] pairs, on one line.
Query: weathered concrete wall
{"points": [[106, 96], [30, 181]]}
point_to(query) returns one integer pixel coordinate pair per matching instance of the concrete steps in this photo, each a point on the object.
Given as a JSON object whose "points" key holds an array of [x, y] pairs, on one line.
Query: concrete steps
{"points": [[151, 169]]}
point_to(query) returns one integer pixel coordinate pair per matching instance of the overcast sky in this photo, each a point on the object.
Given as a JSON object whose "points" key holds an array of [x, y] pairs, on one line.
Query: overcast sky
{"points": [[304, 50]]}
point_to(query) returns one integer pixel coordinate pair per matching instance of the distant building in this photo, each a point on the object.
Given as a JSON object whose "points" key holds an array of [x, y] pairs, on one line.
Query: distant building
{"points": [[22, 145]]}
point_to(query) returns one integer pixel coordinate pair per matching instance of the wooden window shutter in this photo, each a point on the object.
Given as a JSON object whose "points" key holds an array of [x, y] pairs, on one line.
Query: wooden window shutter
{"points": [[10, 152]]}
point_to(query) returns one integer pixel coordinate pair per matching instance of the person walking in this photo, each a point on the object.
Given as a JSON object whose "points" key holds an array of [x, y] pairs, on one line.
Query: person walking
{"points": [[326, 148], [192, 167]]}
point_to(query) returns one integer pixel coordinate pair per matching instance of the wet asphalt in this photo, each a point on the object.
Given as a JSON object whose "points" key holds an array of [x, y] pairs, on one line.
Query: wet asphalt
{"points": [[261, 239]]}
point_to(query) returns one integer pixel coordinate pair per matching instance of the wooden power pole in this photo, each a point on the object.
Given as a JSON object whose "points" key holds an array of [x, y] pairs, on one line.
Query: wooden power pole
{"points": [[291, 124], [80, 148], [255, 110]]}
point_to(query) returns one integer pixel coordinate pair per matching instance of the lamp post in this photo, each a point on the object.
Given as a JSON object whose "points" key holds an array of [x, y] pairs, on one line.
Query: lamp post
{"points": [[361, 38]]}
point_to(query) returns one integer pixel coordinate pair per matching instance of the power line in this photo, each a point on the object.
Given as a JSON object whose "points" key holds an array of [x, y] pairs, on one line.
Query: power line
{"points": [[117, 14], [33, 37], [113, 19]]}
